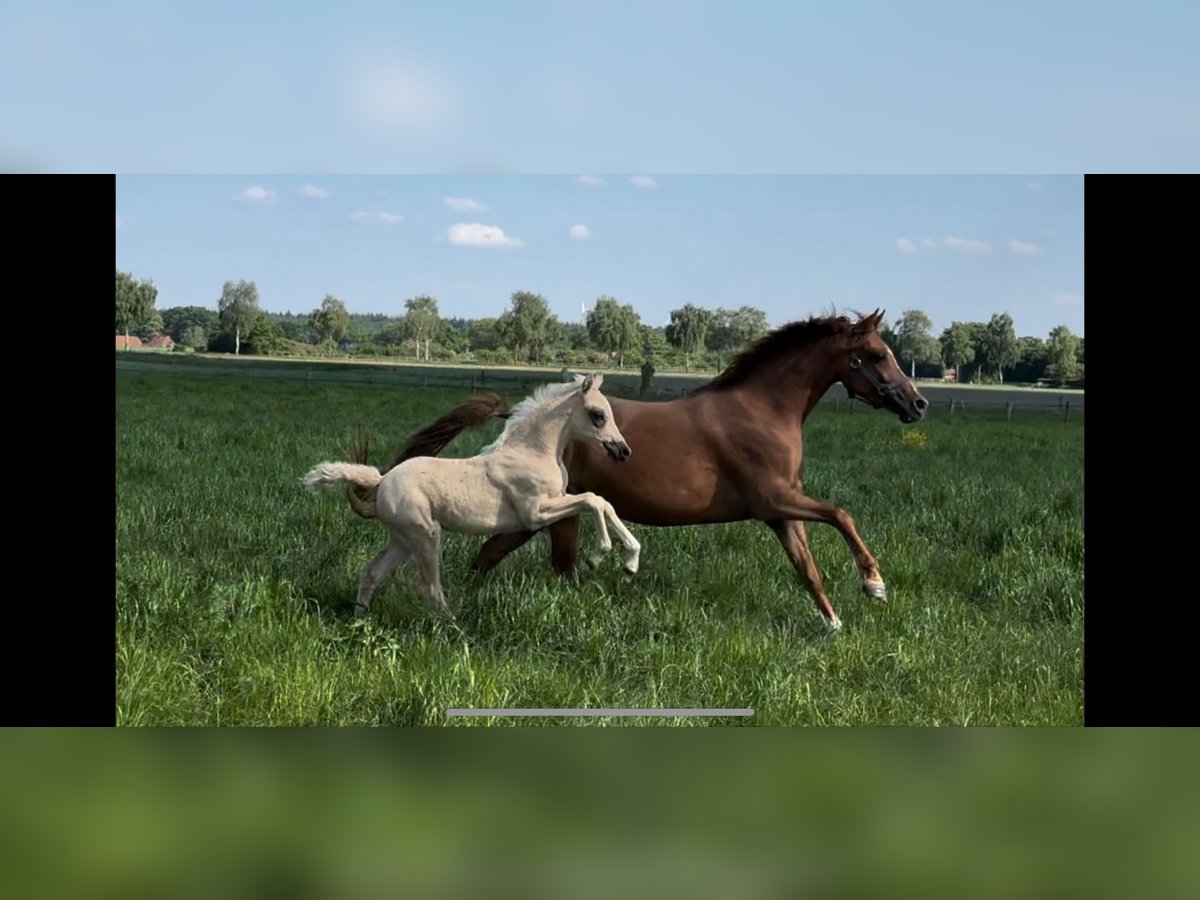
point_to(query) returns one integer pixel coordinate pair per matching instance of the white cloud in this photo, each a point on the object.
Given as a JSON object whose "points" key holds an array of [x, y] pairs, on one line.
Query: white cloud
{"points": [[590, 181], [580, 232], [378, 218], [256, 194], [956, 244], [966, 245], [1024, 248], [1067, 299], [477, 235], [315, 191], [463, 204], [643, 181]]}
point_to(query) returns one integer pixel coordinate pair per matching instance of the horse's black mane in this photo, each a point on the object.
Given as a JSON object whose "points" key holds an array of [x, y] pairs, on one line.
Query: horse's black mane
{"points": [[782, 342]]}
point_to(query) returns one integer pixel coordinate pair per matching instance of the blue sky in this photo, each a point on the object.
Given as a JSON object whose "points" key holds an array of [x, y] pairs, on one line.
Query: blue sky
{"points": [[958, 247], [564, 86]]}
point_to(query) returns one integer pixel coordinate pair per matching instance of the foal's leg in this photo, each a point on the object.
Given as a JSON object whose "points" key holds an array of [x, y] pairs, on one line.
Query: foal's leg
{"points": [[426, 543], [377, 569], [786, 501], [795, 544], [633, 549], [549, 510]]}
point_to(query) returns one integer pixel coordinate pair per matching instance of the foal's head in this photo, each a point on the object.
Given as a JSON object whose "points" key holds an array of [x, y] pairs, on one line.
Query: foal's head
{"points": [[592, 420], [869, 371]]}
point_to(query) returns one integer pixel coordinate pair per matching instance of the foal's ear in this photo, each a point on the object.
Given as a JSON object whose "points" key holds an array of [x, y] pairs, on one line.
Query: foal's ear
{"points": [[593, 382], [586, 385]]}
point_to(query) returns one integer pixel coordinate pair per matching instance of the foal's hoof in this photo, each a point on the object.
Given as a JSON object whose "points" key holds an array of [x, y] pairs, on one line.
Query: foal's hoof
{"points": [[876, 590], [631, 565], [360, 611], [594, 561], [834, 625]]}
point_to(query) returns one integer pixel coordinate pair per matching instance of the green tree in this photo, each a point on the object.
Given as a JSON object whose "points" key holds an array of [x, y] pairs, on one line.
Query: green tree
{"points": [[914, 342], [193, 336], [1062, 350], [613, 328], [178, 320], [482, 335], [330, 321], [238, 309], [150, 326], [528, 325], [421, 321], [958, 348], [654, 342], [604, 325], [687, 330], [999, 344], [451, 336], [1032, 360], [730, 330], [135, 302]]}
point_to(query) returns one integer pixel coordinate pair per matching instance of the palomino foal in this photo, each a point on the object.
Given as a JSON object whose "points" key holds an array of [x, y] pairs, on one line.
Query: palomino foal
{"points": [[518, 483]]}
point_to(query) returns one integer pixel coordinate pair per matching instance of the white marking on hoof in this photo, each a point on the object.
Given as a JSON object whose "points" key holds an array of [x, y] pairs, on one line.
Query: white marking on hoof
{"points": [[834, 625], [876, 590]]}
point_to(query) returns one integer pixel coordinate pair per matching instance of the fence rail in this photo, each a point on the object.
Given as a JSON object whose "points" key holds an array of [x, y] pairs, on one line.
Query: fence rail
{"points": [[943, 401]]}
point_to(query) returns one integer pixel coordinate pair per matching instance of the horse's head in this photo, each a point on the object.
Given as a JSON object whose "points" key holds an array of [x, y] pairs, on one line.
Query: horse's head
{"points": [[870, 372], [593, 420]]}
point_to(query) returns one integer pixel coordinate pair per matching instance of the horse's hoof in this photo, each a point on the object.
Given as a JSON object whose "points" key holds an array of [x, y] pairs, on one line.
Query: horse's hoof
{"points": [[876, 590], [834, 625], [631, 566], [595, 560], [360, 611]]}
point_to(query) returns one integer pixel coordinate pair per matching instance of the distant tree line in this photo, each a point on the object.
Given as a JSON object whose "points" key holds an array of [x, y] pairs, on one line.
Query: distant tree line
{"points": [[695, 339]]}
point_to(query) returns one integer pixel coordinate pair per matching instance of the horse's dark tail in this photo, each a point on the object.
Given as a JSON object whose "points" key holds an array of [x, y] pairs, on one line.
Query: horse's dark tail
{"points": [[430, 441]]}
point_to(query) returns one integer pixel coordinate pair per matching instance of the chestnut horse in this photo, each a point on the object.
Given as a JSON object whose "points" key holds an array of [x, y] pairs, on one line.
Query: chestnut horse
{"points": [[729, 451]]}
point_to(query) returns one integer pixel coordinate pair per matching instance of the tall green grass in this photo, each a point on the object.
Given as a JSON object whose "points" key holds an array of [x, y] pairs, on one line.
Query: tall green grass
{"points": [[234, 585]]}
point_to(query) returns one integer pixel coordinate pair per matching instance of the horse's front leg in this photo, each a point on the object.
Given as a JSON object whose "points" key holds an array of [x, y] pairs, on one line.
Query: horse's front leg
{"points": [[786, 501]]}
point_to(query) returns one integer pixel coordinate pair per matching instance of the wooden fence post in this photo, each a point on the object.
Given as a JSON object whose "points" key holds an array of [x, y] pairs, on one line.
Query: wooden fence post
{"points": [[1008, 411], [1067, 411]]}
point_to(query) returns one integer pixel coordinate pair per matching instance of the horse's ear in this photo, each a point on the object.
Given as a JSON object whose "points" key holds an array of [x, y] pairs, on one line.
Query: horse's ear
{"points": [[587, 385], [596, 379]]}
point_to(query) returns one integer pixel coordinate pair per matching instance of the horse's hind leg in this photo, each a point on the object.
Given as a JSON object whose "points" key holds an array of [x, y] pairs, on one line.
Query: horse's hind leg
{"points": [[426, 543], [499, 546], [794, 539], [377, 569], [564, 545]]}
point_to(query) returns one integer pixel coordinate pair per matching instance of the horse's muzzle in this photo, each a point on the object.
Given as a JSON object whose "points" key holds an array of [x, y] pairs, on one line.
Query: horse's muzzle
{"points": [[618, 450], [914, 410]]}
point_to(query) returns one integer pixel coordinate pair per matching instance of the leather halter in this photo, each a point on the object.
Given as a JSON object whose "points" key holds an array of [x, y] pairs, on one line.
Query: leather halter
{"points": [[883, 388]]}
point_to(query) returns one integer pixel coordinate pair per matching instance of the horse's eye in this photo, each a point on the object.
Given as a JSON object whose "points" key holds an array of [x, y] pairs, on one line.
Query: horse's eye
{"points": [[597, 418]]}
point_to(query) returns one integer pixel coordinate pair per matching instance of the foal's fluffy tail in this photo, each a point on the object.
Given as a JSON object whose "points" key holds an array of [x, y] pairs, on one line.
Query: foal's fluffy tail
{"points": [[328, 474]]}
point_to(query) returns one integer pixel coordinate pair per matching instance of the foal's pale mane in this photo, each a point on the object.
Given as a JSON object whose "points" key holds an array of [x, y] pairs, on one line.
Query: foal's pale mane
{"points": [[540, 397]]}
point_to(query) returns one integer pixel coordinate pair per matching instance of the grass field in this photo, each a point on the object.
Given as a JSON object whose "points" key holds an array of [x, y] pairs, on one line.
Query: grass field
{"points": [[234, 585]]}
